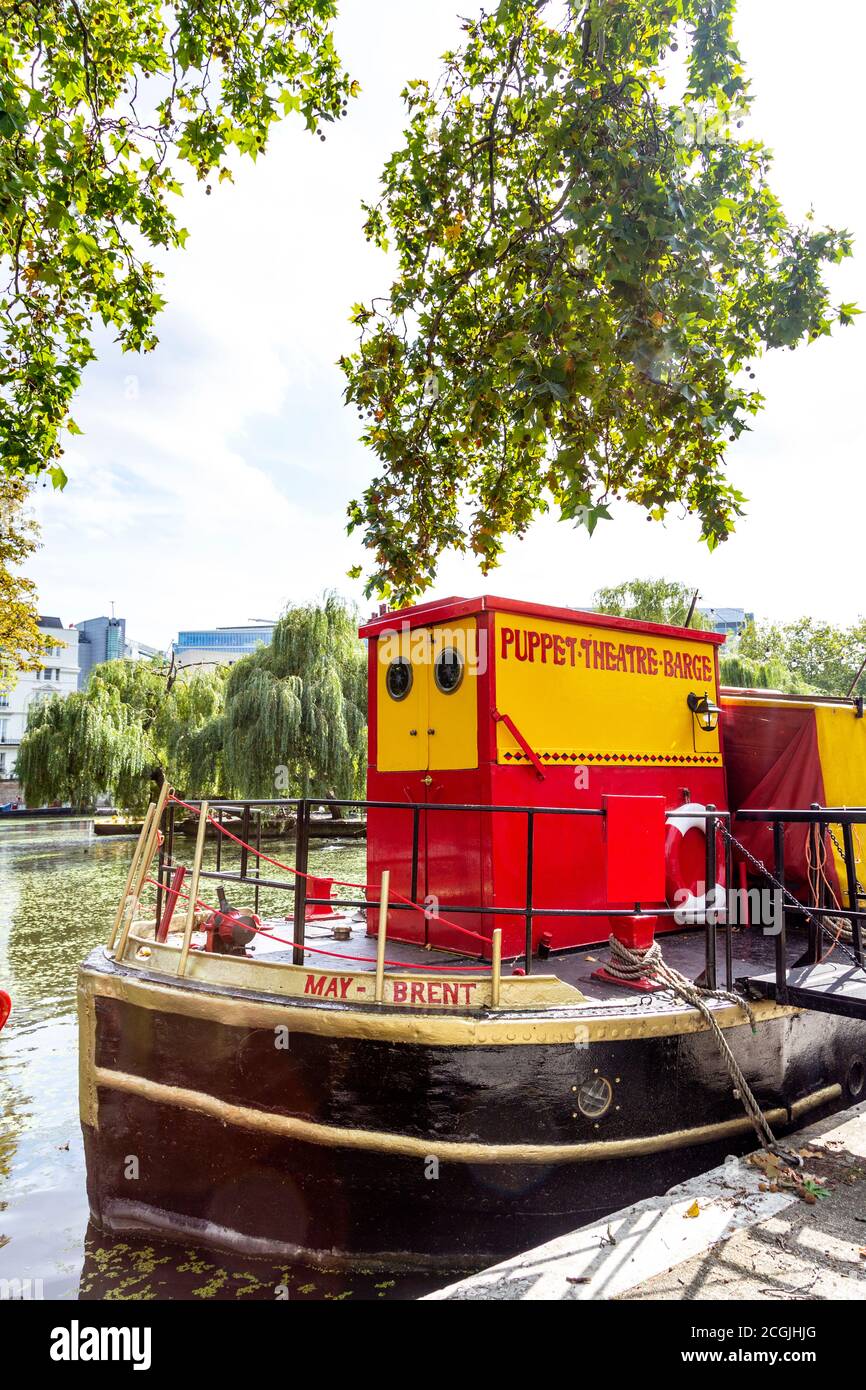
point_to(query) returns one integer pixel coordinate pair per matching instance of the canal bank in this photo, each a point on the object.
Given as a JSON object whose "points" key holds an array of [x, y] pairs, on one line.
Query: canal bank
{"points": [[747, 1229]]}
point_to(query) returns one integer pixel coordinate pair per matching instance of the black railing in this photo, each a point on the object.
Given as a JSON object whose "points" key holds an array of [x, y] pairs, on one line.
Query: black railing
{"points": [[305, 826], [819, 821]]}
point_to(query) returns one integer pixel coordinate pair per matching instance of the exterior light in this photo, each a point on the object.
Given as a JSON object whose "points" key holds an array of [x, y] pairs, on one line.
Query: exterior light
{"points": [[705, 712]]}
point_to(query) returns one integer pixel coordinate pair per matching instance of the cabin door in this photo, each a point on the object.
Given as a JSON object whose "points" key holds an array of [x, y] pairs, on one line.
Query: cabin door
{"points": [[452, 838], [427, 731]]}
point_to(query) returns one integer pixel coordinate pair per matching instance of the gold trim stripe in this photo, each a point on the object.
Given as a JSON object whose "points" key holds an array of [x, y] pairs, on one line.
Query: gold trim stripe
{"points": [[264, 976], [416, 1028], [454, 1151]]}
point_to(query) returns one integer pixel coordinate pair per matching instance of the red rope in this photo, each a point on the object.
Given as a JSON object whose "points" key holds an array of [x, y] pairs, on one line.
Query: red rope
{"points": [[317, 950], [340, 882]]}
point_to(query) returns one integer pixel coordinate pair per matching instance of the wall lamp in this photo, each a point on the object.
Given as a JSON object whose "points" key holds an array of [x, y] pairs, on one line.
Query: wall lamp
{"points": [[705, 712]]}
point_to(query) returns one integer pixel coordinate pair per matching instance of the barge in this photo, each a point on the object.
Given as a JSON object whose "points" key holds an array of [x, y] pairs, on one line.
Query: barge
{"points": [[439, 1066]]}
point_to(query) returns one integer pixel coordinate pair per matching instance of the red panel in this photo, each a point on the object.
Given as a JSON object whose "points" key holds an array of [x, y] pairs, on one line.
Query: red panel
{"points": [[389, 846], [634, 836], [773, 760], [449, 857], [569, 859]]}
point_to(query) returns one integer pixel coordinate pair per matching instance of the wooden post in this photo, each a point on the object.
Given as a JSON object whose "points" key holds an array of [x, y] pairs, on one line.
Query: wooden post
{"points": [[496, 973], [382, 937], [143, 866], [193, 888], [121, 906]]}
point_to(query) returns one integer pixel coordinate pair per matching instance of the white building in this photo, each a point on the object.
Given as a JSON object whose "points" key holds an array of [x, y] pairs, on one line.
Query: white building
{"points": [[220, 646], [58, 676]]}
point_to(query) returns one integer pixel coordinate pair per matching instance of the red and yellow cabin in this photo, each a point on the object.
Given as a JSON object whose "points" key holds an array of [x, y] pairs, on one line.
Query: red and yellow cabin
{"points": [[491, 701], [795, 751]]}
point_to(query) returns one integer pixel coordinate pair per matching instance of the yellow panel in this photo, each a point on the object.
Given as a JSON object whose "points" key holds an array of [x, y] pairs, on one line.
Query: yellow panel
{"points": [[453, 718], [591, 694], [842, 750], [401, 731]]}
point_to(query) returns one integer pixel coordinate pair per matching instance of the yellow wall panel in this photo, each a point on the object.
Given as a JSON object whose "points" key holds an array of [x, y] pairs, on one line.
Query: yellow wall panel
{"points": [[601, 694], [842, 750]]}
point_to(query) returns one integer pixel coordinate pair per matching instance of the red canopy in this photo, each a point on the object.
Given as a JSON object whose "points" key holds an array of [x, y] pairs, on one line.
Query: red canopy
{"points": [[772, 761]]}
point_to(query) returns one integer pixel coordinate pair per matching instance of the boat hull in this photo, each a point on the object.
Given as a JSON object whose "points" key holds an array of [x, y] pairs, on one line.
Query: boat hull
{"points": [[380, 1137]]}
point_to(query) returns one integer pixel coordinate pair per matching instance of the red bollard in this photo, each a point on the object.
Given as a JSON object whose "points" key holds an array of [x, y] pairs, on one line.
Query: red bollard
{"points": [[637, 934], [319, 888]]}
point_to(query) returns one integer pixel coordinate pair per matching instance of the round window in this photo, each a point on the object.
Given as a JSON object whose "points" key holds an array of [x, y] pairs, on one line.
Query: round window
{"points": [[594, 1097], [448, 671], [398, 680]]}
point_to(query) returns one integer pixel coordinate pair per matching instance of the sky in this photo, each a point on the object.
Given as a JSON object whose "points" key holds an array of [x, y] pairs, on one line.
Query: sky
{"points": [[211, 481]]}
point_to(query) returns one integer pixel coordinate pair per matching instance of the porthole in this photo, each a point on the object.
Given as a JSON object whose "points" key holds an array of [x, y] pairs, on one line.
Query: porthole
{"points": [[448, 670], [856, 1079], [398, 680], [594, 1097]]}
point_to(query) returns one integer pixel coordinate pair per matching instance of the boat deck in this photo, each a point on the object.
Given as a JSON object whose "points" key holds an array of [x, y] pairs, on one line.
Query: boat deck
{"points": [[753, 954]]}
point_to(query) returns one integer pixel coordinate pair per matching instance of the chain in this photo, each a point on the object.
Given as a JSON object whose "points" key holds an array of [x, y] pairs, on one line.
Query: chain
{"points": [[841, 851], [762, 869]]}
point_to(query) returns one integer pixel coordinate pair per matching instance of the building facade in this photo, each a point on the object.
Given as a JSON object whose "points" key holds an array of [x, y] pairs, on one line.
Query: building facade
{"points": [[220, 646], [105, 639], [728, 621], [100, 639], [58, 676]]}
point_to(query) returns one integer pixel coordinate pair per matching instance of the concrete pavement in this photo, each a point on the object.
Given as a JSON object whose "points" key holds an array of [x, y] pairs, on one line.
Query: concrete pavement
{"points": [[739, 1231]]}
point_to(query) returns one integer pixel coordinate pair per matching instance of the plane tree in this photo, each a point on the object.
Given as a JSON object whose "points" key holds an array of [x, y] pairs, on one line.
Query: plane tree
{"points": [[105, 110], [590, 260]]}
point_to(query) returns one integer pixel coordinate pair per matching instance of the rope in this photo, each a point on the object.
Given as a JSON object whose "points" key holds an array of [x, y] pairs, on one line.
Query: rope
{"points": [[340, 882], [626, 964], [818, 870], [317, 950]]}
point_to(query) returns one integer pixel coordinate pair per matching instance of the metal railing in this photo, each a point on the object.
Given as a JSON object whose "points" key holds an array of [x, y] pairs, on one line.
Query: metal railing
{"points": [[819, 821], [250, 813]]}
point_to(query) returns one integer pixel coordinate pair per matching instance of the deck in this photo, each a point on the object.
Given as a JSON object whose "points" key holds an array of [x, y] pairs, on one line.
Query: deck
{"points": [[752, 956]]}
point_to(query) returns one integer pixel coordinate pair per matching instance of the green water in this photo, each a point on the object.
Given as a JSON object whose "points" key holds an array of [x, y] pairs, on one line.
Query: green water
{"points": [[59, 888]]}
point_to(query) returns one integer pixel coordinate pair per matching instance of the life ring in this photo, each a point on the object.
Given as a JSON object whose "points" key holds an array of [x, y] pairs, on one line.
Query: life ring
{"points": [[685, 867]]}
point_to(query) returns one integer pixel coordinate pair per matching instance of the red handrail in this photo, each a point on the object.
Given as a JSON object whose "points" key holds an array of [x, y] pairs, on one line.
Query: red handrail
{"points": [[525, 746]]}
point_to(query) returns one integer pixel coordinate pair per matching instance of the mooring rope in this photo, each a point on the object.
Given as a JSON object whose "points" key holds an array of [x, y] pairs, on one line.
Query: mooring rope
{"points": [[627, 964]]}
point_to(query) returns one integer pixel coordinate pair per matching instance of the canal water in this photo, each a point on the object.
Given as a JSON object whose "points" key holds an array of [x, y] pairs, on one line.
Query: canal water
{"points": [[59, 889]]}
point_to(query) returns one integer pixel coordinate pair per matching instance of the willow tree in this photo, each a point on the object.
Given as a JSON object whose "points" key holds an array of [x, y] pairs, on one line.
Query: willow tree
{"points": [[588, 268], [295, 717], [744, 672], [822, 656], [650, 601], [125, 731]]}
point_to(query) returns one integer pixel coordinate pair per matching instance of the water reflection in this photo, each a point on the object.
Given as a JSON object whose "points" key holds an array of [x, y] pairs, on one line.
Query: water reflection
{"points": [[59, 888]]}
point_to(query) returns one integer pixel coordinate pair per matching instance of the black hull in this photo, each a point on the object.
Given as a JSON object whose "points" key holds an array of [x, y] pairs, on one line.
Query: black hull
{"points": [[396, 1152]]}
